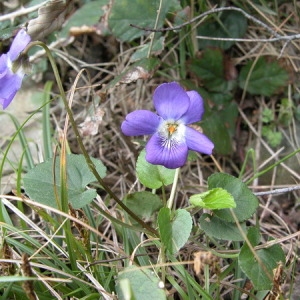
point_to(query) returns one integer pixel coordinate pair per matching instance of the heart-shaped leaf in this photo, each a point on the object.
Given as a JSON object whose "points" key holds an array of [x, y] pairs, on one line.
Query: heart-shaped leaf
{"points": [[143, 204], [246, 201], [153, 176], [141, 13], [231, 24], [40, 182], [213, 127], [266, 78], [211, 70], [174, 228], [217, 198], [142, 284], [259, 267], [220, 229]]}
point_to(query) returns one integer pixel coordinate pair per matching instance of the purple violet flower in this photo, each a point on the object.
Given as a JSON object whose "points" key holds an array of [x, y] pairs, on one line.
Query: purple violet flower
{"points": [[11, 72], [171, 136]]}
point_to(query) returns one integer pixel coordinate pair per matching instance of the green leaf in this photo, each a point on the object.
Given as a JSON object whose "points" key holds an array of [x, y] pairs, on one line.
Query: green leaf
{"points": [[259, 267], [285, 115], [39, 182], [217, 198], [174, 228], [246, 201], [231, 24], [297, 112], [267, 115], [17, 278], [87, 15], [219, 99], [153, 176], [139, 284], [219, 127], [143, 204], [274, 137], [220, 229], [7, 33], [210, 69], [266, 77], [156, 49], [137, 12]]}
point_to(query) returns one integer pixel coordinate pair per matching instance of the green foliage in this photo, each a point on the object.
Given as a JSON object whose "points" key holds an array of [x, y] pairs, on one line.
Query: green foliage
{"points": [[156, 49], [138, 283], [220, 229], [231, 24], [143, 204], [49, 262], [258, 265], [273, 137], [210, 68], [90, 252], [43, 185], [153, 176], [263, 77], [174, 228], [267, 115], [285, 114], [271, 122], [297, 112], [219, 125], [217, 198], [246, 202], [144, 14]]}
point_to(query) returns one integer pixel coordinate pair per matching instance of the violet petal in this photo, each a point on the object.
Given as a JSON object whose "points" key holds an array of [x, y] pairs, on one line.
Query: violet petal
{"points": [[3, 64], [19, 43], [195, 110], [140, 122], [9, 85], [6, 101], [170, 157], [171, 101], [198, 141]]}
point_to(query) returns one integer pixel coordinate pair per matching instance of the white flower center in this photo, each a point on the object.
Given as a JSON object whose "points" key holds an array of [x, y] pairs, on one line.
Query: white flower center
{"points": [[171, 133]]}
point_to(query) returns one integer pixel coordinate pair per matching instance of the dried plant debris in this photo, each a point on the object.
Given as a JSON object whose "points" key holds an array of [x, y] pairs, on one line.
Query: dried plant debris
{"points": [[91, 123], [50, 18]]}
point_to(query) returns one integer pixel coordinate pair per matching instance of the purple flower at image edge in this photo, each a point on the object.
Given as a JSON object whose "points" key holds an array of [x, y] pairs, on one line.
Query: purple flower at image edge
{"points": [[11, 76], [171, 136]]}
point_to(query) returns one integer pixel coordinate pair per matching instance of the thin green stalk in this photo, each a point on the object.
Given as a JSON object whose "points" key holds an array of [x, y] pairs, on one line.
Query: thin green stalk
{"points": [[206, 277], [20, 204], [80, 143], [237, 275], [155, 26], [46, 121], [162, 252], [162, 260], [251, 153], [22, 139], [164, 199], [174, 187], [182, 55]]}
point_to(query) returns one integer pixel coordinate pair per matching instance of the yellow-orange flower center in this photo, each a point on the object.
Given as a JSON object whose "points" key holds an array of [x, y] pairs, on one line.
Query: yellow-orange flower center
{"points": [[172, 128]]}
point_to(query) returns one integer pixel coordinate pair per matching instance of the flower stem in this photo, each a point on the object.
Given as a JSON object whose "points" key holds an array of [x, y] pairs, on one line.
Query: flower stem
{"points": [[89, 162], [173, 191], [155, 26]]}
